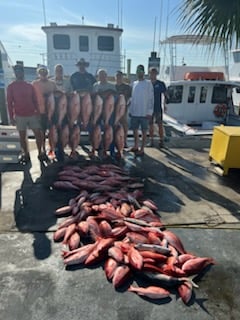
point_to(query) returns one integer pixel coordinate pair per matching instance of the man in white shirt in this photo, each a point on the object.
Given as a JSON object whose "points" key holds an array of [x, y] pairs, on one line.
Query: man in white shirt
{"points": [[141, 109]]}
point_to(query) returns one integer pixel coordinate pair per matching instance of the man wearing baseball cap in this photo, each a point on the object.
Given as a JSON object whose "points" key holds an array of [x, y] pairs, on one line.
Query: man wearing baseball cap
{"points": [[23, 112], [82, 80]]}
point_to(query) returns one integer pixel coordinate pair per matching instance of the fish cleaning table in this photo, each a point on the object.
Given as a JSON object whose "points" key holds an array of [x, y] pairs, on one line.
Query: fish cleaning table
{"points": [[225, 147]]}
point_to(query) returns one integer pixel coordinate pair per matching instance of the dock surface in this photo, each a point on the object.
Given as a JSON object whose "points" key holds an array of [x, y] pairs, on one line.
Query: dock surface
{"points": [[194, 201]]}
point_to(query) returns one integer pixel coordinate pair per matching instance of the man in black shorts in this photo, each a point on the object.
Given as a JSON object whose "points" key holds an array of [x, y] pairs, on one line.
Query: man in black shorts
{"points": [[160, 90]]}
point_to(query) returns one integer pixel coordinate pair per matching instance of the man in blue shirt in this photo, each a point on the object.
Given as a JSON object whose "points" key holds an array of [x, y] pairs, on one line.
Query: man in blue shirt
{"points": [[160, 90]]}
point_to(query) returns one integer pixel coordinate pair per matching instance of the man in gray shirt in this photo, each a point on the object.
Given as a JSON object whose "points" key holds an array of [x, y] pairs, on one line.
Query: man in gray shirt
{"points": [[102, 86]]}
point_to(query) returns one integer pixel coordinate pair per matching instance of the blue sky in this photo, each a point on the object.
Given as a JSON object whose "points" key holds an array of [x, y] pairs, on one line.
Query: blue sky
{"points": [[21, 22], [22, 37]]}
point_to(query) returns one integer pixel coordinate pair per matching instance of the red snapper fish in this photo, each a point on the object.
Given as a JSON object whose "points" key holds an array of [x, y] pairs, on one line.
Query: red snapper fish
{"points": [[174, 241], [119, 137], [62, 109], [59, 234], [108, 108], [50, 106], [64, 136], [74, 241], [135, 258], [79, 256], [185, 291], [96, 138], [53, 137], [74, 108], [97, 109], [121, 275], [109, 267], [86, 110], [120, 109], [196, 265], [151, 292], [74, 139], [107, 138]]}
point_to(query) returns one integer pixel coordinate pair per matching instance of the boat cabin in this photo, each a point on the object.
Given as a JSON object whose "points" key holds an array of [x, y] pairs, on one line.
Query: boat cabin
{"points": [[197, 101], [100, 46]]}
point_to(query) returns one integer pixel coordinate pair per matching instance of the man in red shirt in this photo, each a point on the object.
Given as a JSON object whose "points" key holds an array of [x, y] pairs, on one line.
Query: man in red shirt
{"points": [[23, 112]]}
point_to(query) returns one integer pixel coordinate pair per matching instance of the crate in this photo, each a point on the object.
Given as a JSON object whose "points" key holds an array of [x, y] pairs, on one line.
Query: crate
{"points": [[8, 132], [9, 157], [10, 145]]}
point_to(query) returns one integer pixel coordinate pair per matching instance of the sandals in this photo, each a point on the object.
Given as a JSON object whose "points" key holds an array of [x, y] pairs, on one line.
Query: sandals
{"points": [[43, 157], [139, 153], [24, 158], [161, 144]]}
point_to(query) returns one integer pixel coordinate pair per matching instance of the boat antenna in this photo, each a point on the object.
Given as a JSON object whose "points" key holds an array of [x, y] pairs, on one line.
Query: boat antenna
{"points": [[154, 33], [44, 13], [118, 13], [121, 14], [160, 27]]}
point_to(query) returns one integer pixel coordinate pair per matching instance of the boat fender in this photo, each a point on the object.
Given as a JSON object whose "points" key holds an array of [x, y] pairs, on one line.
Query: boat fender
{"points": [[220, 110]]}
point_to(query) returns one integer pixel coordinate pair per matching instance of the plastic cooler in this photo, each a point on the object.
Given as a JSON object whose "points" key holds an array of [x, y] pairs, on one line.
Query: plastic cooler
{"points": [[225, 147]]}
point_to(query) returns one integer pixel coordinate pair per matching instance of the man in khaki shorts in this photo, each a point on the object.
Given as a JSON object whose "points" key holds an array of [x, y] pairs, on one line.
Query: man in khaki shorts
{"points": [[23, 112]]}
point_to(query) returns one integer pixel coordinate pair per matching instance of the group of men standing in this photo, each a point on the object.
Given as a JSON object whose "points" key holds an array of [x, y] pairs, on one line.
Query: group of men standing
{"points": [[27, 109]]}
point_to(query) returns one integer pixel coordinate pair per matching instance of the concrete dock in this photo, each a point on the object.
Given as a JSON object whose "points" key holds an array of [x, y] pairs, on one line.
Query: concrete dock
{"points": [[194, 201]]}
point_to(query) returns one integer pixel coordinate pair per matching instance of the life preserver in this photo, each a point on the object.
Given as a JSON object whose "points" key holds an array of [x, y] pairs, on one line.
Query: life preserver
{"points": [[220, 110]]}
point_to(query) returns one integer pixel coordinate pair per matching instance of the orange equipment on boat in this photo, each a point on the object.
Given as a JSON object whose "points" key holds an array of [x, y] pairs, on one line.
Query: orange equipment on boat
{"points": [[199, 75]]}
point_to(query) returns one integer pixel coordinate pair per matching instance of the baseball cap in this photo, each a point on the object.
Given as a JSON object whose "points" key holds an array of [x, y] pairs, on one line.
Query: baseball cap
{"points": [[153, 69], [118, 72], [18, 68], [42, 68]]}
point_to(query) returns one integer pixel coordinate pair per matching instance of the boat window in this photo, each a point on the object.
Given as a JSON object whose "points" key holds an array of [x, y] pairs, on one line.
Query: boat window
{"points": [[61, 41], [105, 43], [175, 94], [83, 43], [219, 94], [236, 56], [191, 94], [203, 94]]}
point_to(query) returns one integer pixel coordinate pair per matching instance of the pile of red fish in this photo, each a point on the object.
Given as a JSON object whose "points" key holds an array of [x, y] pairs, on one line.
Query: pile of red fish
{"points": [[110, 222]]}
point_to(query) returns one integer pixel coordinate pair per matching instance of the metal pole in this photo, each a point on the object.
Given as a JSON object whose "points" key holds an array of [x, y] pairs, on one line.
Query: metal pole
{"points": [[154, 33], [44, 13]]}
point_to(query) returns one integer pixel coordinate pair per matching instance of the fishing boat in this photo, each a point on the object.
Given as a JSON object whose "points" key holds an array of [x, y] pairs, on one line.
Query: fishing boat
{"points": [[201, 101], [199, 96]]}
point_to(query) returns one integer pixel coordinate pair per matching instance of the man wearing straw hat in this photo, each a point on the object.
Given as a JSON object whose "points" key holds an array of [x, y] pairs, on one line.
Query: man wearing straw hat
{"points": [[82, 80]]}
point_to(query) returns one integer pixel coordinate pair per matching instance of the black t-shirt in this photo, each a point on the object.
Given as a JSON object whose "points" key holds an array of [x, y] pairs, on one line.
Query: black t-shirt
{"points": [[159, 87], [124, 89], [82, 81]]}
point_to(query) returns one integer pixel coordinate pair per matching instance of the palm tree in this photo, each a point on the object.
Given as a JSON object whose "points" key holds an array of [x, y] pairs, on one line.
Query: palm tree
{"points": [[217, 19]]}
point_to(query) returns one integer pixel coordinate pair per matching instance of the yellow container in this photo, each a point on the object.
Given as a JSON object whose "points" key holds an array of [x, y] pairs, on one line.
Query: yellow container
{"points": [[225, 147]]}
